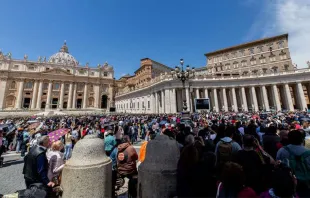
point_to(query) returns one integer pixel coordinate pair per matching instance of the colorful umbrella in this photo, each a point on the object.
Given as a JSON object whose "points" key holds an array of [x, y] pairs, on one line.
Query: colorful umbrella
{"points": [[34, 125], [55, 135]]}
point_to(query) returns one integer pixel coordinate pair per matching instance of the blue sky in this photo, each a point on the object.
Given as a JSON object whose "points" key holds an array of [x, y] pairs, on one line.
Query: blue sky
{"points": [[122, 32]]}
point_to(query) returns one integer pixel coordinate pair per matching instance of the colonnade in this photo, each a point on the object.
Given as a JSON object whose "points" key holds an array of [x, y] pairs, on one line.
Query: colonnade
{"points": [[37, 93], [267, 97]]}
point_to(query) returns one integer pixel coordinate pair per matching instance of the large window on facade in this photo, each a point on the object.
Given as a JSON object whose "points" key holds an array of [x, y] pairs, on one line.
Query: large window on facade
{"points": [[56, 86], [80, 87], [67, 87], [28, 85], [45, 86]]}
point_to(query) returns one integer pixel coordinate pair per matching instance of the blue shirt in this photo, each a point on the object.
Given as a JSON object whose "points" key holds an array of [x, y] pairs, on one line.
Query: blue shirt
{"points": [[109, 143], [113, 158]]}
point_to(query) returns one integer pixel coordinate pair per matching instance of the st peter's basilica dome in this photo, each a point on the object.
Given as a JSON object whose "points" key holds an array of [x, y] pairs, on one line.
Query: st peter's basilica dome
{"points": [[63, 57]]}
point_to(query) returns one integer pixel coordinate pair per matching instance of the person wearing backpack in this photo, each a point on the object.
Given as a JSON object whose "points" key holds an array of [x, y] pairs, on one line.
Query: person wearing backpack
{"points": [[226, 148], [297, 157]]}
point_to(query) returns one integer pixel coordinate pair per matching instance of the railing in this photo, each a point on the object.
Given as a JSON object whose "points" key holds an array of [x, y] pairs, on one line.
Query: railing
{"points": [[167, 77]]}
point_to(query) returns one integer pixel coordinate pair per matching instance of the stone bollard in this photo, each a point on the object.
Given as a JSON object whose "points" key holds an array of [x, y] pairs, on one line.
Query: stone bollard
{"points": [[157, 175], [89, 171]]}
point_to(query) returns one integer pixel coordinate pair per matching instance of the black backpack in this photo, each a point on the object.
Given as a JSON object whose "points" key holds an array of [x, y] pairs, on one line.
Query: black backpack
{"points": [[36, 190]]}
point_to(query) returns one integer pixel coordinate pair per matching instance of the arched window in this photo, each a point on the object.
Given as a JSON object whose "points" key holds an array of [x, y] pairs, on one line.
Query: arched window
{"points": [[13, 85]]}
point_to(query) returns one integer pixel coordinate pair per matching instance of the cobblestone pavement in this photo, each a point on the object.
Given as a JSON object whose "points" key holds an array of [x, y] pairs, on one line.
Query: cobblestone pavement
{"points": [[11, 177], [12, 180]]}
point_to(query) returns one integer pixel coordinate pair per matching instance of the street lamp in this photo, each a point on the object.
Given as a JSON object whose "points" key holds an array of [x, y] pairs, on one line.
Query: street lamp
{"points": [[183, 75]]}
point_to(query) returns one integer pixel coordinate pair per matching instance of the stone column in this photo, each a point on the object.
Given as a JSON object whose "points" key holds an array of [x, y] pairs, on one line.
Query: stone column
{"points": [[288, 97], [70, 96], [19, 99], [88, 172], [162, 92], [74, 96], [224, 99], [187, 100], [85, 96], [97, 96], [301, 97], [39, 95], [34, 95], [62, 92], [206, 93], [254, 98], [173, 100], [152, 103], [216, 103], [234, 99], [265, 98], [167, 101], [276, 97], [244, 102], [162, 171], [3, 83], [197, 93], [156, 102], [49, 95]]}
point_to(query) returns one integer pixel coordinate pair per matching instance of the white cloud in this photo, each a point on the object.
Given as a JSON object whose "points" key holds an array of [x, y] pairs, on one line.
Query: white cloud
{"points": [[286, 16]]}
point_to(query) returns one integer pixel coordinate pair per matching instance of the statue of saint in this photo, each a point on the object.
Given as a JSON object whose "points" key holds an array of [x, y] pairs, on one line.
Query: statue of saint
{"points": [[308, 63], [44, 59], [98, 66], [87, 65], [9, 55], [39, 59], [25, 57]]}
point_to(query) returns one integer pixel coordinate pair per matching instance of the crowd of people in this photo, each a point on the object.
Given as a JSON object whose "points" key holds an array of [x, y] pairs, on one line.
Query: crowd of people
{"points": [[221, 154]]}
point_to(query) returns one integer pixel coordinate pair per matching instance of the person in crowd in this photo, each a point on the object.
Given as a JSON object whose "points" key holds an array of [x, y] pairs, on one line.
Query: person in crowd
{"points": [[127, 164], [19, 139], [126, 158], [119, 134], [24, 143], [271, 140], [233, 183], [68, 145], [109, 142], [283, 183], [226, 148], [55, 162], [297, 157], [142, 154], [252, 163], [186, 176], [2, 149], [36, 165]]}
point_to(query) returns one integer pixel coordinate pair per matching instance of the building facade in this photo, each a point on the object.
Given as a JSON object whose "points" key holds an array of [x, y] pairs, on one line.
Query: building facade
{"points": [[57, 83], [258, 75]]}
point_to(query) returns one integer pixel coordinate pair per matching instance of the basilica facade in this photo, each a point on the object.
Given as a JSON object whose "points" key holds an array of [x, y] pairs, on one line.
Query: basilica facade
{"points": [[253, 76], [58, 82]]}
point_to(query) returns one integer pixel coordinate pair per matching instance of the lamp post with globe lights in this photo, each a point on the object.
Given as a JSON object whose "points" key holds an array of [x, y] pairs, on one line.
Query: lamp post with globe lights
{"points": [[183, 75]]}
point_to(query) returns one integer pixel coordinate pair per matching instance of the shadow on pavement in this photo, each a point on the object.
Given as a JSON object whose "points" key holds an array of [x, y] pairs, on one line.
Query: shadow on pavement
{"points": [[12, 162]]}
